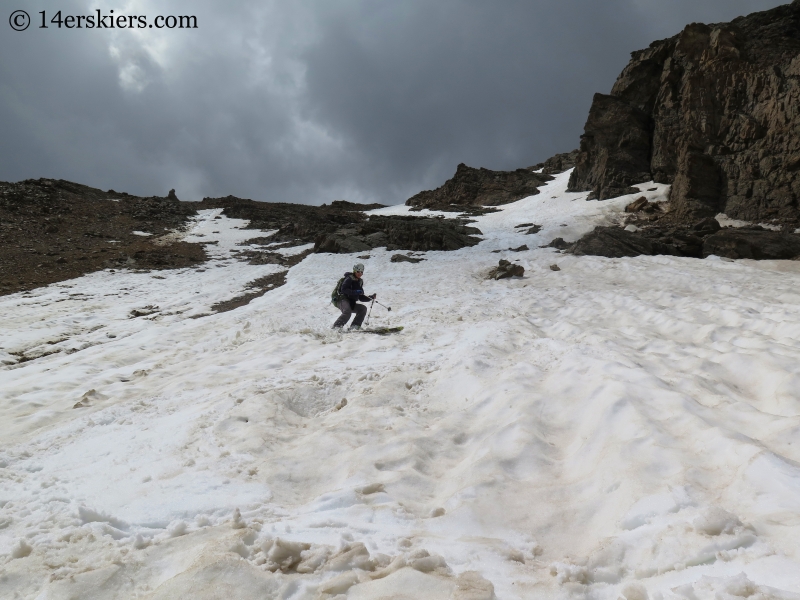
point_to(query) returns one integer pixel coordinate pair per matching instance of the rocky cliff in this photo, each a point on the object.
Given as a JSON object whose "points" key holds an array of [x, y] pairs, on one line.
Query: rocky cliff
{"points": [[715, 111]]}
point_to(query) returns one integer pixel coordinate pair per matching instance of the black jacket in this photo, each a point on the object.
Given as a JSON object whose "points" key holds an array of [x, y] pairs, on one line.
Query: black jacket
{"points": [[353, 289]]}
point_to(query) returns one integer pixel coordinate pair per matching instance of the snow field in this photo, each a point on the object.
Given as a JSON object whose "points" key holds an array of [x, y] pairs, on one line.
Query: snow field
{"points": [[619, 428]]}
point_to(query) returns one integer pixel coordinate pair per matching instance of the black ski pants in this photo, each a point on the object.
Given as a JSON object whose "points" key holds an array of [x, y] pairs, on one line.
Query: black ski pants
{"points": [[347, 311]]}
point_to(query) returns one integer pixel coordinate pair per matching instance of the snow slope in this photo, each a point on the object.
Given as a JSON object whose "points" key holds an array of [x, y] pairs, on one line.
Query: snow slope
{"points": [[618, 428]]}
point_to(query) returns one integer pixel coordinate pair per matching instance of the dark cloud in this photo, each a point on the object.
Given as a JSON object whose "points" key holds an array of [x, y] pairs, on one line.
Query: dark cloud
{"points": [[316, 100]]}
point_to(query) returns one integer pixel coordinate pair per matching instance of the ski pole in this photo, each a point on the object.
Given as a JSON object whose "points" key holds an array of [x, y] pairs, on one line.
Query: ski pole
{"points": [[370, 311], [389, 308]]}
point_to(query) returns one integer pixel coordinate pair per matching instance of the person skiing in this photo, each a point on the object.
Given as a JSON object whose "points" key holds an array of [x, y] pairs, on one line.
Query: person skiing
{"points": [[351, 291]]}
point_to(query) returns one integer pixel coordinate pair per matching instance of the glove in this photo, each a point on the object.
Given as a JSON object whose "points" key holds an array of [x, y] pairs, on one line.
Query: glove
{"points": [[374, 296]]}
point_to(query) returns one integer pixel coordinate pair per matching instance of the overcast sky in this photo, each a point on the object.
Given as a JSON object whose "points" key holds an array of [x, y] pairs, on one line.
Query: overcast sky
{"points": [[310, 101]]}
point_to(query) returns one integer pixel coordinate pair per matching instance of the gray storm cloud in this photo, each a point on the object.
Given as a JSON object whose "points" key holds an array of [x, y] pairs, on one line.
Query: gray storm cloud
{"points": [[311, 101]]}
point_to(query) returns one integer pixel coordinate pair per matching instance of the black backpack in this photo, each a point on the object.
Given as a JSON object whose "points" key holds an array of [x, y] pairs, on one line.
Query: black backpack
{"points": [[336, 295]]}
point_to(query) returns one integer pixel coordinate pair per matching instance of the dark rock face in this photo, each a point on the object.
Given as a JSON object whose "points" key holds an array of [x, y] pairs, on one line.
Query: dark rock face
{"points": [[712, 111], [480, 187], [615, 149]]}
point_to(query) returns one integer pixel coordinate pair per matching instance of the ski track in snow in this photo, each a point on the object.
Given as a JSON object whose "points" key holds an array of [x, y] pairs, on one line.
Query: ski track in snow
{"points": [[621, 427]]}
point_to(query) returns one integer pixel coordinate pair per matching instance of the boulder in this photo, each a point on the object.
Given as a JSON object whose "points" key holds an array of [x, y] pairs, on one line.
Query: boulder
{"points": [[403, 258], [559, 244], [506, 269], [707, 225], [614, 242], [637, 205]]}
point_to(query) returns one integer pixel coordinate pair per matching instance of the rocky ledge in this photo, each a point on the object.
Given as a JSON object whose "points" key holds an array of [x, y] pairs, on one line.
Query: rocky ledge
{"points": [[754, 243], [478, 188]]}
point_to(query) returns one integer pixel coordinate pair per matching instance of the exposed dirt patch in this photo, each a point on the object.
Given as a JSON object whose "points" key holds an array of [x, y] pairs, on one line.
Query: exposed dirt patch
{"points": [[257, 287], [53, 230], [262, 285]]}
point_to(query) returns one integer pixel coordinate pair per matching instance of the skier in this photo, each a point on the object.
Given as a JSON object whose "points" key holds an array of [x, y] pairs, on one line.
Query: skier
{"points": [[348, 292]]}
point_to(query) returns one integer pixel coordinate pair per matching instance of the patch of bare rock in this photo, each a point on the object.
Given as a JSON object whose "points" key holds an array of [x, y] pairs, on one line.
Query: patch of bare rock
{"points": [[343, 227], [400, 233], [704, 239], [396, 258]]}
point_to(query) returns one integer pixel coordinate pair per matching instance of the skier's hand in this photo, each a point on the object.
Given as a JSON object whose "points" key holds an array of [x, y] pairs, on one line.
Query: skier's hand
{"points": [[374, 296]]}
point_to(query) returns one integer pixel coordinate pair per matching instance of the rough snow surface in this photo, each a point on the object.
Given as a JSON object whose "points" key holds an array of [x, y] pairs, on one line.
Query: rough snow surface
{"points": [[621, 428]]}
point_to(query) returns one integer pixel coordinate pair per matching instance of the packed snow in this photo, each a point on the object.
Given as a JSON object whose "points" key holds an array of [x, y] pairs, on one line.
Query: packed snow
{"points": [[618, 428]]}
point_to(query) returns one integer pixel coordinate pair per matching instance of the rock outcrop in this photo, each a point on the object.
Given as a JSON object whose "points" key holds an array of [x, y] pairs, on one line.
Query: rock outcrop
{"points": [[700, 241], [505, 270], [558, 163], [298, 223], [480, 187], [342, 227], [714, 111], [754, 244], [419, 234]]}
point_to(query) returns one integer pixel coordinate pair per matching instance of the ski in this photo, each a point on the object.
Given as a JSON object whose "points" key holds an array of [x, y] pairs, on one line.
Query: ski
{"points": [[379, 330]]}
